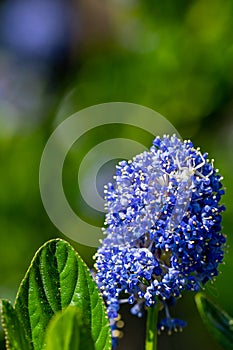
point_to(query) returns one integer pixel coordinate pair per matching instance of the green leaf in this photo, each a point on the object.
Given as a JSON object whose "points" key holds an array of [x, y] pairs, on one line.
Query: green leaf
{"points": [[14, 332], [217, 321], [57, 278], [67, 331]]}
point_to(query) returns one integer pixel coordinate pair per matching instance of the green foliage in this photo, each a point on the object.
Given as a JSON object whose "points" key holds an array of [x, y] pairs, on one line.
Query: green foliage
{"points": [[56, 278], [67, 331], [15, 335], [217, 321], [169, 56]]}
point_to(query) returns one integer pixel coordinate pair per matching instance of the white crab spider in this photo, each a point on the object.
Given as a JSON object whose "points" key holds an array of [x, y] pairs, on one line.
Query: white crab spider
{"points": [[186, 172], [184, 176]]}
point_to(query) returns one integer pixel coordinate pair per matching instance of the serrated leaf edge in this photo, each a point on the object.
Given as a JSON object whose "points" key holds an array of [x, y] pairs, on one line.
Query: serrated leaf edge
{"points": [[86, 272]]}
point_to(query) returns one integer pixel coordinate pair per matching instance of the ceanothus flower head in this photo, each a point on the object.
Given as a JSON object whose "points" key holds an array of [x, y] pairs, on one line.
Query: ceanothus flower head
{"points": [[163, 227]]}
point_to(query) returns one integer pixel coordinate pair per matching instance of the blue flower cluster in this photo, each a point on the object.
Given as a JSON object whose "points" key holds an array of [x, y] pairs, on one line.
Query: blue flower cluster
{"points": [[163, 227]]}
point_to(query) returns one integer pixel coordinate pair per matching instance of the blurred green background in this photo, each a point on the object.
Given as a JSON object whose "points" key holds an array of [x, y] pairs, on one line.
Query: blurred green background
{"points": [[57, 57]]}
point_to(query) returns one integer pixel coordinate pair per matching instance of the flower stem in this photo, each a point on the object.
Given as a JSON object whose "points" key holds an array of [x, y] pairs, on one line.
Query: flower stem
{"points": [[151, 328]]}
